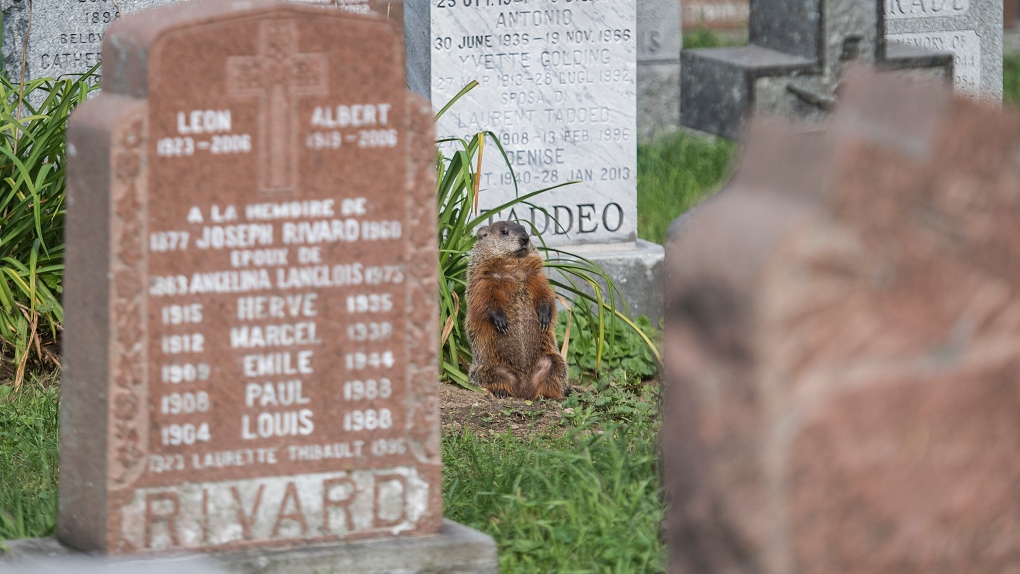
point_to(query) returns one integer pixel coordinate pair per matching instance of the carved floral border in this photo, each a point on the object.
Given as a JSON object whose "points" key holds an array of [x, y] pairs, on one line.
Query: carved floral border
{"points": [[128, 396], [422, 287]]}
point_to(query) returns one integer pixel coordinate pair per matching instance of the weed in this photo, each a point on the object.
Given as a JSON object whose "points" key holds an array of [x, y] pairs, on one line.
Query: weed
{"points": [[32, 191], [624, 350], [586, 501]]}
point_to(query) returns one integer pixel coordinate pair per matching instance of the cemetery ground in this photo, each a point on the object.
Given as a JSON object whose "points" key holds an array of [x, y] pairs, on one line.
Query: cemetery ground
{"points": [[569, 486], [560, 486]]}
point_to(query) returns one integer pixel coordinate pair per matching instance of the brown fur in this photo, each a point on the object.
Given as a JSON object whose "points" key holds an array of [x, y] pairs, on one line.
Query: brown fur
{"points": [[511, 313]]}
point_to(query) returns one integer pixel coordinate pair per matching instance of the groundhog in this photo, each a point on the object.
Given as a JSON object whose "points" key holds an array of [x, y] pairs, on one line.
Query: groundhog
{"points": [[511, 313]]}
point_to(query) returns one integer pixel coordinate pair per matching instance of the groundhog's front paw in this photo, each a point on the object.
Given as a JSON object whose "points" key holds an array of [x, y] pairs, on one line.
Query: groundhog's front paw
{"points": [[544, 315], [499, 320]]}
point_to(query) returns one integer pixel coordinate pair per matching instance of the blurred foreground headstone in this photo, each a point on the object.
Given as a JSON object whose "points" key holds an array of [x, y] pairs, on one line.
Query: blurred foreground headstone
{"points": [[843, 346]]}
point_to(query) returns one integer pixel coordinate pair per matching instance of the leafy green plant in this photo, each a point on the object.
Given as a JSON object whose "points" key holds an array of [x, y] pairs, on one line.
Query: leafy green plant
{"points": [[626, 352], [33, 119], [579, 279]]}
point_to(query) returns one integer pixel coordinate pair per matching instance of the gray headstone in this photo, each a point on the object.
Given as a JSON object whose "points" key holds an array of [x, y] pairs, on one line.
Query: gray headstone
{"points": [[658, 67], [557, 85], [793, 63], [65, 36], [971, 29]]}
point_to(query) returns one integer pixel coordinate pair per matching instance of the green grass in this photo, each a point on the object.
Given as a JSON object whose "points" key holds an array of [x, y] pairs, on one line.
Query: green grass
{"points": [[586, 502], [705, 38], [1011, 79], [29, 440], [676, 174]]}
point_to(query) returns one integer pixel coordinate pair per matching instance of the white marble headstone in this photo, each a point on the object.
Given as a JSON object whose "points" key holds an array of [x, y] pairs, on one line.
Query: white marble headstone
{"points": [[557, 86]]}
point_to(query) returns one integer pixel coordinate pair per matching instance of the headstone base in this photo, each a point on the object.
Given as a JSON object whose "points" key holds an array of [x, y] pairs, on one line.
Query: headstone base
{"points": [[711, 103], [637, 272], [456, 549]]}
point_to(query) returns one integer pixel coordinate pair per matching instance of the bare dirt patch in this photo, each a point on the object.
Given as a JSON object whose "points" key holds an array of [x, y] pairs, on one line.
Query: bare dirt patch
{"points": [[487, 415]]}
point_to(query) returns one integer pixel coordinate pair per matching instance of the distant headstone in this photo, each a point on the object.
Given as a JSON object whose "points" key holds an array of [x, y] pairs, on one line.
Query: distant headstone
{"points": [[793, 64], [66, 37], [557, 86], [55, 38], [659, 43], [251, 296], [971, 29], [841, 345]]}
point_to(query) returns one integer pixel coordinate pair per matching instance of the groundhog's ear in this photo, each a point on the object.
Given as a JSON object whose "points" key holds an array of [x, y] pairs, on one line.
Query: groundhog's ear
{"points": [[483, 232]]}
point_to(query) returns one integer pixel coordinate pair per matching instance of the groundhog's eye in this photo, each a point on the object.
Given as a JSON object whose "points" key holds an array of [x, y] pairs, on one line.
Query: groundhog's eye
{"points": [[505, 232]]}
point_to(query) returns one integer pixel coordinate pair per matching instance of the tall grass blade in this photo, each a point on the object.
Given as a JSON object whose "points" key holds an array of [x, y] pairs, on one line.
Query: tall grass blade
{"points": [[32, 192]]}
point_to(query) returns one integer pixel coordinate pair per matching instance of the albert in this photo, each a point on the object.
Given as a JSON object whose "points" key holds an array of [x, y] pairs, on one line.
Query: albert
{"points": [[356, 116]]}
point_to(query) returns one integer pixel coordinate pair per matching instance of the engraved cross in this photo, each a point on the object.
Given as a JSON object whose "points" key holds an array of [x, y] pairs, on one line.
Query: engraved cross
{"points": [[278, 75]]}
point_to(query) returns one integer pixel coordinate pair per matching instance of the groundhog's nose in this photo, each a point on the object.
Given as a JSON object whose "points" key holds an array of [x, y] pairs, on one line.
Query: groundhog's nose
{"points": [[525, 241]]}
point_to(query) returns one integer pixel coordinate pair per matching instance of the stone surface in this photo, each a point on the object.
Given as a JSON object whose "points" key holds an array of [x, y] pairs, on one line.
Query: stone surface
{"points": [[457, 549], [66, 37], [793, 64], [557, 86], [659, 43], [637, 273], [47, 556], [971, 29], [842, 346], [250, 347], [62, 37]]}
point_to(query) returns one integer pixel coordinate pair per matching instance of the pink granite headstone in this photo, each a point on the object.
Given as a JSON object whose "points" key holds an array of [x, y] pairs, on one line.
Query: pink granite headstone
{"points": [[251, 354]]}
